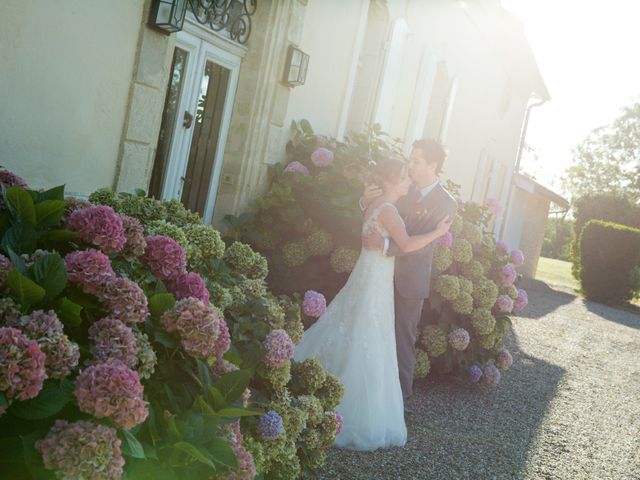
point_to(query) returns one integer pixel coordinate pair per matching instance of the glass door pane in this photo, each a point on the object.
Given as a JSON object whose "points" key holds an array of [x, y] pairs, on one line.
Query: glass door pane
{"points": [[206, 132], [169, 118]]}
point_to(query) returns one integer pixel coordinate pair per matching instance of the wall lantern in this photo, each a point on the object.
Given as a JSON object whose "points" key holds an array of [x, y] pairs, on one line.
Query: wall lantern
{"points": [[168, 15], [295, 71]]}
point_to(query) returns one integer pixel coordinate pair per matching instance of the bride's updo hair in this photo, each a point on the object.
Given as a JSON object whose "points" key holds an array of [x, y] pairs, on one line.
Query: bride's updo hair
{"points": [[388, 170]]}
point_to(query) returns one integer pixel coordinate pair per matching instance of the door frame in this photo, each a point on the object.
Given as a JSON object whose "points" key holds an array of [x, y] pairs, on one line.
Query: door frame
{"points": [[202, 46]]}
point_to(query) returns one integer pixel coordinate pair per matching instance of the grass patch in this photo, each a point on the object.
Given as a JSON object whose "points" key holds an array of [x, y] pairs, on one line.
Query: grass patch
{"points": [[556, 272]]}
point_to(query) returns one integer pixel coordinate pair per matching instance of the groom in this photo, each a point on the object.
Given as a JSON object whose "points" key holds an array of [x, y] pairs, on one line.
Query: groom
{"points": [[422, 208]]}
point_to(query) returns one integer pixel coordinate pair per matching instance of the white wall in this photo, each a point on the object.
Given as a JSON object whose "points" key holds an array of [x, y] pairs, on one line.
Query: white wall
{"points": [[64, 88]]}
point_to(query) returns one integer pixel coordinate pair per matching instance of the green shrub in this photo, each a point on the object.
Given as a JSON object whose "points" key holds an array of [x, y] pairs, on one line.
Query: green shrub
{"points": [[609, 254], [607, 207]]}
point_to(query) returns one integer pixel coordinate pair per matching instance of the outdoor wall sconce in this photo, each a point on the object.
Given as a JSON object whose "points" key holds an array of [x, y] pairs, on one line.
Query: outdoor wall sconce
{"points": [[167, 16], [295, 71]]}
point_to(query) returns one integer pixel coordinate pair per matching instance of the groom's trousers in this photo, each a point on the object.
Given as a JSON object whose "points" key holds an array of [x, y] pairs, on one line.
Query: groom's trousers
{"points": [[408, 312]]}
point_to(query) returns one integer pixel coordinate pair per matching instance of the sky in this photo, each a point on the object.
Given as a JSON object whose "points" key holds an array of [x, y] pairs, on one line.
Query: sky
{"points": [[587, 52]]}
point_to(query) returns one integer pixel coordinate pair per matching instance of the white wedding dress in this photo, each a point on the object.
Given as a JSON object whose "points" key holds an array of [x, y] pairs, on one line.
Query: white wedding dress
{"points": [[355, 341]]}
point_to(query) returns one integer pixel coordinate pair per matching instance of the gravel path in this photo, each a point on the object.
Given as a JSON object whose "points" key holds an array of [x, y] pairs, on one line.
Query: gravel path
{"points": [[569, 407]]}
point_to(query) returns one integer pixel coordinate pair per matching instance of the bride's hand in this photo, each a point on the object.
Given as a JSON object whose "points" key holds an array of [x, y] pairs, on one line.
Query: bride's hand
{"points": [[443, 226]]}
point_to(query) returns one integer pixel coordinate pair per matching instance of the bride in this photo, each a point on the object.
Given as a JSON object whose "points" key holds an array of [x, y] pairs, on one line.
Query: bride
{"points": [[355, 338]]}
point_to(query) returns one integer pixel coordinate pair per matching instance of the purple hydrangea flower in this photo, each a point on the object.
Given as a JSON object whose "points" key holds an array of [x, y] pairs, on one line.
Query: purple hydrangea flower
{"points": [[296, 167], [322, 157], [521, 301], [501, 247], [90, 269], [164, 256], [124, 299], [508, 275], [446, 240], [504, 303], [189, 284], [22, 365], [459, 339], [491, 375], [203, 332], [114, 391], [113, 339], [98, 225], [517, 257], [314, 304], [82, 450], [340, 421], [504, 359], [279, 348], [475, 373], [270, 426]]}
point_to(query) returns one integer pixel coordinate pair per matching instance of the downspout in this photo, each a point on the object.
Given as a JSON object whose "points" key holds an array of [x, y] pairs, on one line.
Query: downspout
{"points": [[516, 168]]}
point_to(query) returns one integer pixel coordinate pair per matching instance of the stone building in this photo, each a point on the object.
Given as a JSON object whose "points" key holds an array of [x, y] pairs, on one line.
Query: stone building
{"points": [[94, 95]]}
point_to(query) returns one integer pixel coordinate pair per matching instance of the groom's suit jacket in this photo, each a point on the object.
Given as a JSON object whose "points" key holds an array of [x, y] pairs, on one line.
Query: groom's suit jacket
{"points": [[413, 269]]}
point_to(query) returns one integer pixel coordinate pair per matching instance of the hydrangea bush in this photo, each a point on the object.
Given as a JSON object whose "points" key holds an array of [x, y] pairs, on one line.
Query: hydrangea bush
{"points": [[134, 342], [473, 294]]}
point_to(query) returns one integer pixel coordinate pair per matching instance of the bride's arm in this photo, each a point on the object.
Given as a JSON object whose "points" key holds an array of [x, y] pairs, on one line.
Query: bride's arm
{"points": [[392, 222]]}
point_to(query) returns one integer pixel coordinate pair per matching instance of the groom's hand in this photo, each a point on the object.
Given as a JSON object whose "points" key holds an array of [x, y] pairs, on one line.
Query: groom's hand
{"points": [[372, 240]]}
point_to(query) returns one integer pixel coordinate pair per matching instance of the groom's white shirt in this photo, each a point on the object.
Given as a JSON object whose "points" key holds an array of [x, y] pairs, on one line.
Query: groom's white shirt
{"points": [[424, 191]]}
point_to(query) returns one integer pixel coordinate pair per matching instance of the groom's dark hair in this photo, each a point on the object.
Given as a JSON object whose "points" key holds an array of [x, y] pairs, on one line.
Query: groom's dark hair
{"points": [[432, 151]]}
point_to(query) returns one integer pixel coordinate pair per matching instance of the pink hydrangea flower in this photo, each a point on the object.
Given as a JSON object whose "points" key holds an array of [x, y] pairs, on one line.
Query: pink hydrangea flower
{"points": [[504, 359], [124, 299], [187, 285], [246, 466], [279, 348], [504, 303], [82, 449], [5, 268], [508, 275], [71, 204], [10, 179], [296, 167], [502, 248], [90, 269], [98, 225], [134, 232], [314, 304], [322, 157], [203, 332], [113, 339], [164, 256], [112, 390], [61, 354], [459, 339], [521, 301], [494, 206], [22, 365], [517, 257], [446, 240]]}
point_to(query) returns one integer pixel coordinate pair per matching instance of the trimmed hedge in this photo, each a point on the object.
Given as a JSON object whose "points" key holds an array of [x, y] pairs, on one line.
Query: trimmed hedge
{"points": [[607, 207], [610, 256]]}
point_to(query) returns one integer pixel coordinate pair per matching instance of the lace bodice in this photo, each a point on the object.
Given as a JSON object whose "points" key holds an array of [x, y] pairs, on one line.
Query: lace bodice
{"points": [[372, 222]]}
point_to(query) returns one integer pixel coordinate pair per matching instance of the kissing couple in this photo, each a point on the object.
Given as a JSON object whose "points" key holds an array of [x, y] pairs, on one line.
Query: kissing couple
{"points": [[367, 335]]}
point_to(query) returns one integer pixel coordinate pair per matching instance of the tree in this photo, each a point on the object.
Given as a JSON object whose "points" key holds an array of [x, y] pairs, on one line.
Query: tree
{"points": [[608, 160]]}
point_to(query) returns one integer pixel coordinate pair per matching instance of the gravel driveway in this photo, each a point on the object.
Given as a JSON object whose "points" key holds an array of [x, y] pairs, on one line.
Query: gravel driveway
{"points": [[569, 407]]}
